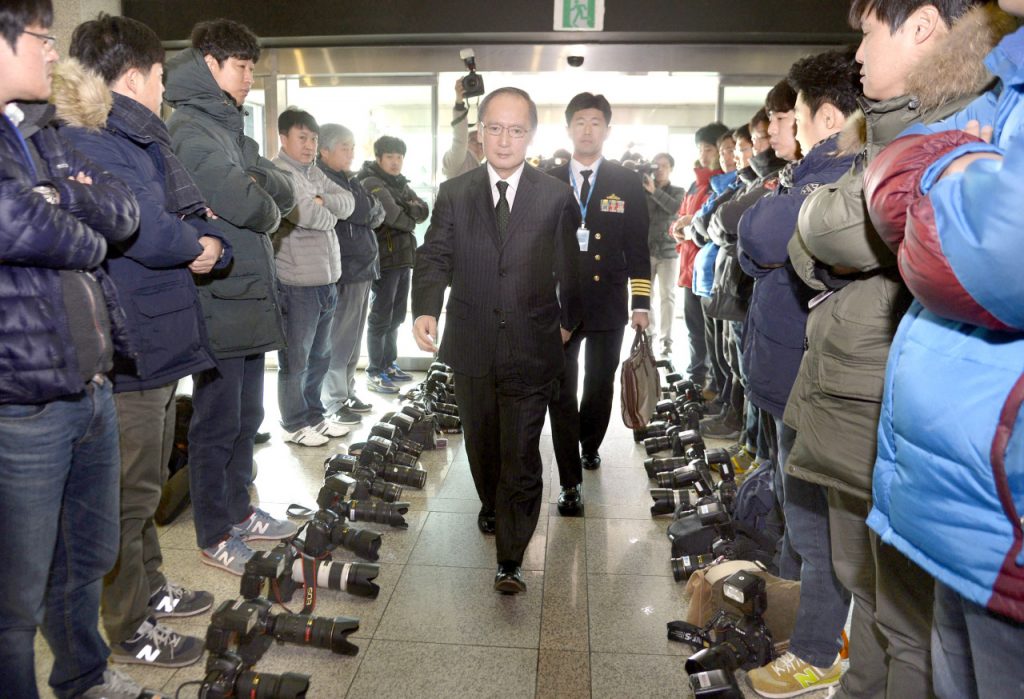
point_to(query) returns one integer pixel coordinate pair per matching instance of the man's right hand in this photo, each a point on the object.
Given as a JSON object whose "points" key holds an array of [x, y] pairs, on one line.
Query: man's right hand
{"points": [[679, 227], [424, 331], [460, 91], [649, 184]]}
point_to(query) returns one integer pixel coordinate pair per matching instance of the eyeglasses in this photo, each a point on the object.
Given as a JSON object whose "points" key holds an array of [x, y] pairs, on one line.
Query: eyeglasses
{"points": [[49, 42], [497, 129]]}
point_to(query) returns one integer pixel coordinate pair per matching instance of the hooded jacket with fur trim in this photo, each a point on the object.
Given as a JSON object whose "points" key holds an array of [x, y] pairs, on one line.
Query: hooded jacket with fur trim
{"points": [[836, 400], [150, 269]]}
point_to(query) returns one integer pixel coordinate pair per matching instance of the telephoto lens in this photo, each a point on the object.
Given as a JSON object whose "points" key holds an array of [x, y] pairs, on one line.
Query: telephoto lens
{"points": [[378, 512], [408, 446], [653, 445], [655, 465], [404, 475], [353, 578], [226, 677], [667, 501], [362, 542], [685, 566], [682, 477], [378, 488], [316, 631]]}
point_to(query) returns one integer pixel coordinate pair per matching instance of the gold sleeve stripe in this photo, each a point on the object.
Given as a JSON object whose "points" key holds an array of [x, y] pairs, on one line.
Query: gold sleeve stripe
{"points": [[640, 287]]}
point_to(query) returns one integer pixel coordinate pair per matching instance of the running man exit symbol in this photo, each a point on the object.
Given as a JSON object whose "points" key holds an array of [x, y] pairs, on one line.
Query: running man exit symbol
{"points": [[579, 15]]}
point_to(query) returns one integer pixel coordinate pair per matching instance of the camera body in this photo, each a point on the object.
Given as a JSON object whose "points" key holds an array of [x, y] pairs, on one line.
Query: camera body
{"points": [[227, 675], [472, 83]]}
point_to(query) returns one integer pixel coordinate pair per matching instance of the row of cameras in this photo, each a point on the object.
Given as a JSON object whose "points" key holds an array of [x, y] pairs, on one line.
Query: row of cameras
{"points": [[363, 485]]}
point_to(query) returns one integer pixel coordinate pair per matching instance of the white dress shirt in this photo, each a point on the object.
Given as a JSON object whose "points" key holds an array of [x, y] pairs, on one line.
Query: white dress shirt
{"points": [[513, 184], [576, 167]]}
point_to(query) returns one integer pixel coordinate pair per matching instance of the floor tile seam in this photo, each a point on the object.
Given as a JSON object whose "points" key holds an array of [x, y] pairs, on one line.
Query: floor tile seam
{"points": [[536, 649]]}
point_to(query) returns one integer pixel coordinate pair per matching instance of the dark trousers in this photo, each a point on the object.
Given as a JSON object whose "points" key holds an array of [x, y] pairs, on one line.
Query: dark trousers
{"points": [[502, 416], [693, 315], [718, 363], [147, 436], [890, 632], [389, 299], [584, 427], [227, 404]]}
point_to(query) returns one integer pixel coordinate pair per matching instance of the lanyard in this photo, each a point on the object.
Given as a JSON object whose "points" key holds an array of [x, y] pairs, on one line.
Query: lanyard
{"points": [[583, 204]]}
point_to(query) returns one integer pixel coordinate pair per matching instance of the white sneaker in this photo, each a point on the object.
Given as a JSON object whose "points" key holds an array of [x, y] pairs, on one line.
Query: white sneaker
{"points": [[306, 437], [330, 427]]}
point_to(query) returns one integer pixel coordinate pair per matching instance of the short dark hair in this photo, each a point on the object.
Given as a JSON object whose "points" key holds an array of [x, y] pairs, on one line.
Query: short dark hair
{"points": [[224, 39], [388, 144], [723, 137], [742, 132], [111, 46], [760, 117], [894, 13], [292, 117], [709, 134], [781, 98], [514, 91], [671, 160], [588, 100], [832, 78], [15, 15]]}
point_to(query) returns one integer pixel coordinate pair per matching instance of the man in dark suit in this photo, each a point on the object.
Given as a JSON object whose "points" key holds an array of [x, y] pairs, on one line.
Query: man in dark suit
{"points": [[612, 249], [502, 236]]}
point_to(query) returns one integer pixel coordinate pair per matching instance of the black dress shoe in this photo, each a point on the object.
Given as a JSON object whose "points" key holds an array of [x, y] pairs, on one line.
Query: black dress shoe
{"points": [[485, 521], [591, 461], [509, 579], [570, 502], [261, 437]]}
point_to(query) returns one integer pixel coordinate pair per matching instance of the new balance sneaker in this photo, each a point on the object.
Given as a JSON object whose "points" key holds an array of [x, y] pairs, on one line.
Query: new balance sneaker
{"points": [[174, 600], [381, 383], [231, 555], [742, 458], [329, 427], [117, 685], [346, 416], [260, 526], [789, 676], [358, 406], [308, 436], [157, 646], [395, 373]]}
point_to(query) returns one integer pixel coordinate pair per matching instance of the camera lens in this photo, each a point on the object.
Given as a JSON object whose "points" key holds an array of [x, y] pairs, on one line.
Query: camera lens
{"points": [[381, 513], [403, 459], [353, 578], [388, 492], [319, 632], [667, 501], [263, 685], [685, 566], [404, 475], [361, 542], [652, 445], [655, 465], [682, 477]]}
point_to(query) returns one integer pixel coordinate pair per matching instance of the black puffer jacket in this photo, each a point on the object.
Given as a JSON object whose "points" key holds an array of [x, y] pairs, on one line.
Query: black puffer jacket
{"points": [[402, 211]]}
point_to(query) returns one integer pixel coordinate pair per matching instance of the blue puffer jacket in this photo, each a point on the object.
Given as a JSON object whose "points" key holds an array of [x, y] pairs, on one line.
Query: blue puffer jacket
{"points": [[37, 241], [773, 341], [151, 269], [949, 479]]}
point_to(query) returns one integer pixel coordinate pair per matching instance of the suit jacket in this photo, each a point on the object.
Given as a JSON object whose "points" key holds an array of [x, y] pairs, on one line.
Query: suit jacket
{"points": [[618, 222], [523, 287]]}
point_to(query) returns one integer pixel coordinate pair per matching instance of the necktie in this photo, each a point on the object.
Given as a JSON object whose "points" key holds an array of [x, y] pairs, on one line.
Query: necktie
{"points": [[585, 187], [502, 209]]}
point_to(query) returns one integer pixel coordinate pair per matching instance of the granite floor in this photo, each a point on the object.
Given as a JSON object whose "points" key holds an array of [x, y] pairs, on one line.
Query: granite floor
{"points": [[592, 623]]}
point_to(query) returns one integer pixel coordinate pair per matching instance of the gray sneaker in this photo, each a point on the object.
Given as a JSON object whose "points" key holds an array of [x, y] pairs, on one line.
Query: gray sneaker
{"points": [[158, 646], [117, 685], [231, 555], [260, 526]]}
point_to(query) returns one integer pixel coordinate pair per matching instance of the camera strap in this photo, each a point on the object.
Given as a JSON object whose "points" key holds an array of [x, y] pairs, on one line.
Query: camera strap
{"points": [[309, 572], [685, 632]]}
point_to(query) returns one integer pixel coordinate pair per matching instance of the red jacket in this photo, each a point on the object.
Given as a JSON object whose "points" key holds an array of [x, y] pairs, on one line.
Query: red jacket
{"points": [[696, 195]]}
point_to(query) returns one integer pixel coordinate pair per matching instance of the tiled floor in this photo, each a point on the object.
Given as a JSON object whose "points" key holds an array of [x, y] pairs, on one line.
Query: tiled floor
{"points": [[592, 623]]}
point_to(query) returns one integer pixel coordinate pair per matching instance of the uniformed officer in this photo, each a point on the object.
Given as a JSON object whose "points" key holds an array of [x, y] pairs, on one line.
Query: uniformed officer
{"points": [[613, 251]]}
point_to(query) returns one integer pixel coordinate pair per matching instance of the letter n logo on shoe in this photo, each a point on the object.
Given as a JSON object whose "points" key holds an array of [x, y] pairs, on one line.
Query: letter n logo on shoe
{"points": [[167, 604], [258, 527], [806, 679], [148, 654], [224, 558]]}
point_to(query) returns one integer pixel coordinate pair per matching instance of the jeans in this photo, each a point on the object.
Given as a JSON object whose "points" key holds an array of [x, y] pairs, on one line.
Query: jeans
{"points": [[975, 652], [664, 276], [388, 302], [59, 472], [824, 602], [308, 312], [693, 315], [147, 436], [789, 559], [346, 341], [227, 405]]}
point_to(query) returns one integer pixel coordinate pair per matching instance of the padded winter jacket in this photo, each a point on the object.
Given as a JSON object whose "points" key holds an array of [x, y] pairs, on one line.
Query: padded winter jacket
{"points": [[773, 340], [949, 479], [150, 270], [248, 194], [356, 239], [695, 198], [37, 241]]}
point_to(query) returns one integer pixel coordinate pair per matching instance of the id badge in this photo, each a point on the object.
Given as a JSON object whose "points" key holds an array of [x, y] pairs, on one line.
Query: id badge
{"points": [[583, 238]]}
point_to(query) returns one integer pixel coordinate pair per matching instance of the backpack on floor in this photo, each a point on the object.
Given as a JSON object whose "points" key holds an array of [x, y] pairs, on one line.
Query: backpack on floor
{"points": [[755, 498], [175, 496]]}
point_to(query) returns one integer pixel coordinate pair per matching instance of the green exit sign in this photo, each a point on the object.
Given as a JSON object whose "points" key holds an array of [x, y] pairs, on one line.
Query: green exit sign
{"points": [[579, 15]]}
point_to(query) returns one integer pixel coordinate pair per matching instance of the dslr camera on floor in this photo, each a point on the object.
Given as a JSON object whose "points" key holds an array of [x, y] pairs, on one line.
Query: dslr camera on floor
{"points": [[735, 638]]}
